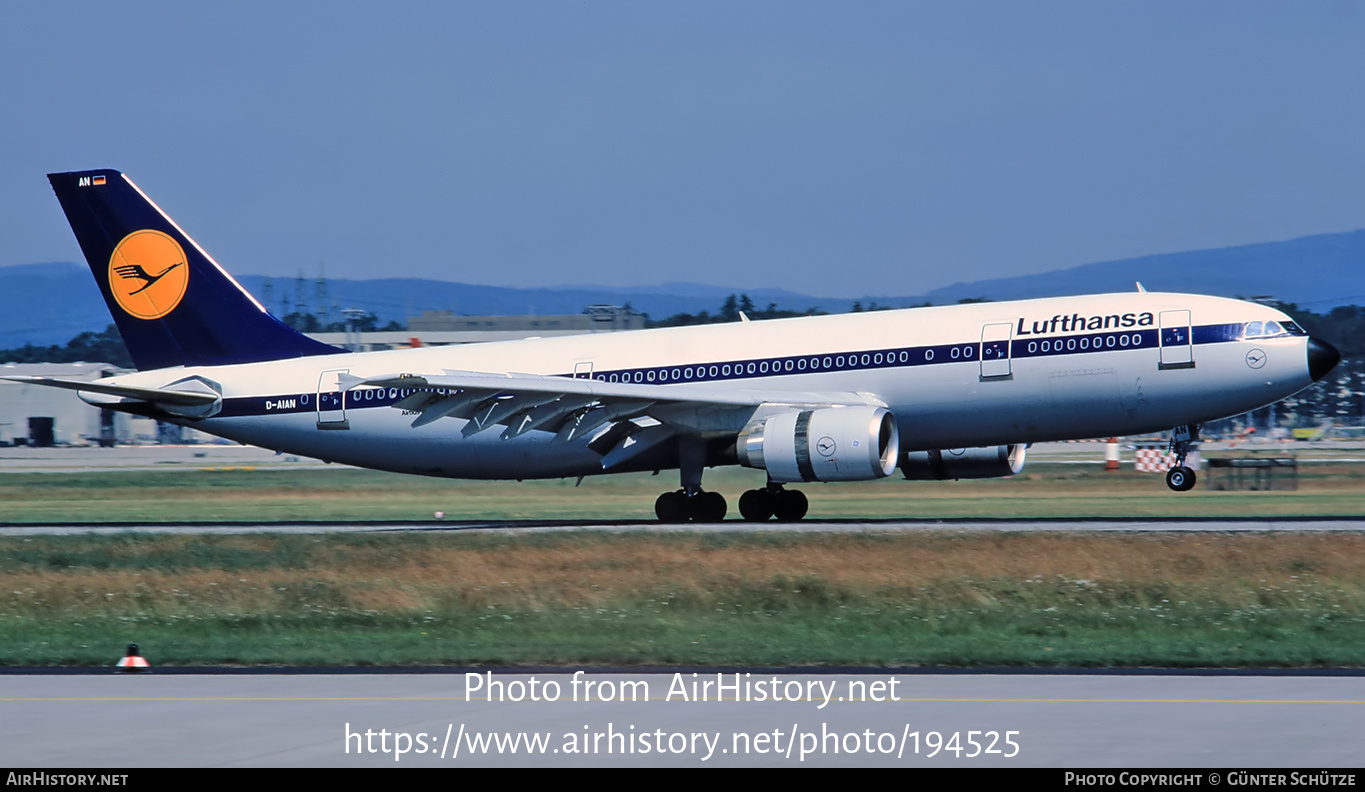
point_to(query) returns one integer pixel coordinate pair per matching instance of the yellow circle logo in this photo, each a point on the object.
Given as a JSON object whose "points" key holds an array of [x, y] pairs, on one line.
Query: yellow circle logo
{"points": [[148, 274]]}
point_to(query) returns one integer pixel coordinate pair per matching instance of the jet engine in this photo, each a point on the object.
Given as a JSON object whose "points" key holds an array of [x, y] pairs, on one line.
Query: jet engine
{"points": [[829, 444], [963, 463]]}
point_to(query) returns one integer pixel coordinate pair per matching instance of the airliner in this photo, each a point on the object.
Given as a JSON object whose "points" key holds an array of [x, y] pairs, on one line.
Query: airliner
{"points": [[945, 392]]}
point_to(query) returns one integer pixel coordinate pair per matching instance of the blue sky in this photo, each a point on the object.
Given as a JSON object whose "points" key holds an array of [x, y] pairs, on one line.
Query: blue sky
{"points": [[838, 149]]}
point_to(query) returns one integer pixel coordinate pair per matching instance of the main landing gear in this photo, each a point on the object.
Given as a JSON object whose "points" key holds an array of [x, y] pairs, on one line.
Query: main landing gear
{"points": [[1180, 477], [699, 506], [755, 505], [691, 503], [758, 505]]}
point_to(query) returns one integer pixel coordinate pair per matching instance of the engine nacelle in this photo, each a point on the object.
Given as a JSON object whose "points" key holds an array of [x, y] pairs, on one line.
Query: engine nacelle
{"points": [[829, 444], [963, 463]]}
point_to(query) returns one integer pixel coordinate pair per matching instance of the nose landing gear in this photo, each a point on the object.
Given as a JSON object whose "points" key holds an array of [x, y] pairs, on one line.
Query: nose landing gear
{"points": [[1181, 478]]}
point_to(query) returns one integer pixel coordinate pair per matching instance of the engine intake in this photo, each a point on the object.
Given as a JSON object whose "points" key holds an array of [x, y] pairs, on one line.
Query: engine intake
{"points": [[963, 463], [829, 444]]}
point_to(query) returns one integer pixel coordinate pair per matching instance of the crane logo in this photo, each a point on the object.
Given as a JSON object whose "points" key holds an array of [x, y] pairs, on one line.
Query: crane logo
{"points": [[148, 274]]}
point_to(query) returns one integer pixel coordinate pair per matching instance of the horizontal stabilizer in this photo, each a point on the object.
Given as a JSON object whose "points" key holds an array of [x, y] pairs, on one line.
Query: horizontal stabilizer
{"points": [[158, 395]]}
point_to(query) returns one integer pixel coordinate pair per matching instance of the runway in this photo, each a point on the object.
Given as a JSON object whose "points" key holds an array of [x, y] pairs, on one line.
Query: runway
{"points": [[1142, 525], [683, 719]]}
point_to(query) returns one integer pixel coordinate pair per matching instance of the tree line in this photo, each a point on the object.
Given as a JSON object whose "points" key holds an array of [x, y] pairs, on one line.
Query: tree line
{"points": [[107, 345], [736, 304]]}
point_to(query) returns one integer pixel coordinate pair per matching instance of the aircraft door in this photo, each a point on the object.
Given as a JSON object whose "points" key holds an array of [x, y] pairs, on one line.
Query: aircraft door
{"points": [[332, 400], [582, 369], [995, 351], [1176, 349]]}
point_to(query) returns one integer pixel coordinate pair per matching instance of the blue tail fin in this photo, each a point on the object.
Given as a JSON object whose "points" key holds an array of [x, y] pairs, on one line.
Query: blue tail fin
{"points": [[172, 303]]}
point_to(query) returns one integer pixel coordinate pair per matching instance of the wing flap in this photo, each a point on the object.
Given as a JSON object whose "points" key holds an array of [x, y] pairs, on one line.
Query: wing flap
{"points": [[501, 410], [439, 407], [547, 415], [636, 444]]}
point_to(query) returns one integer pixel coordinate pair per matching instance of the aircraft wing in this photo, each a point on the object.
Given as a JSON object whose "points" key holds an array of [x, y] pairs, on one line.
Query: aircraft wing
{"points": [[641, 415]]}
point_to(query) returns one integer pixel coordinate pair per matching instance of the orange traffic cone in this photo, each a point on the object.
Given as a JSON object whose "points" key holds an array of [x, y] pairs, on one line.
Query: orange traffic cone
{"points": [[132, 661]]}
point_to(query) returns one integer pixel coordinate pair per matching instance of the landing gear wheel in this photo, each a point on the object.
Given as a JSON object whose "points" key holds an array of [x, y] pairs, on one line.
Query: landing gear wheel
{"points": [[679, 507], [789, 505], [756, 505], [708, 507], [1180, 479], [673, 507]]}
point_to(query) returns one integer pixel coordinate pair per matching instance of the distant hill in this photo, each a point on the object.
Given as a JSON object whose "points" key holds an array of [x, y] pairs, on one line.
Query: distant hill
{"points": [[1316, 272], [51, 303], [48, 304], [45, 304]]}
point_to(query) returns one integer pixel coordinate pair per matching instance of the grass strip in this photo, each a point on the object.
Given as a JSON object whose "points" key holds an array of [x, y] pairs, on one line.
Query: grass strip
{"points": [[756, 598]]}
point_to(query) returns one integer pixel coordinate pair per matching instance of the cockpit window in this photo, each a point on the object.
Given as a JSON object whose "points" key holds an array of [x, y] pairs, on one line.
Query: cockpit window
{"points": [[1271, 329]]}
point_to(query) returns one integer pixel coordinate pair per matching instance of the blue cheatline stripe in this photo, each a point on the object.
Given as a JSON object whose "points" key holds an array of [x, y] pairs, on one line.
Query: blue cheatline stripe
{"points": [[729, 370]]}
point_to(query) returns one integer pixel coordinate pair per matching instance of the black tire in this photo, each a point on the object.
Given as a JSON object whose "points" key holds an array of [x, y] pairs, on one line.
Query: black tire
{"points": [[790, 505], [756, 505], [708, 507], [673, 507], [1180, 479]]}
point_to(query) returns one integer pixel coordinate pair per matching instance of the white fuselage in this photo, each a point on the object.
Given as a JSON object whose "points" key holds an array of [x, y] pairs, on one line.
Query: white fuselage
{"points": [[954, 376]]}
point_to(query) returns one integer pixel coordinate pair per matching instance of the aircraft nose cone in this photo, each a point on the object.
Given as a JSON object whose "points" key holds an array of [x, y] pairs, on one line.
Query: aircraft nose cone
{"points": [[1322, 358]]}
